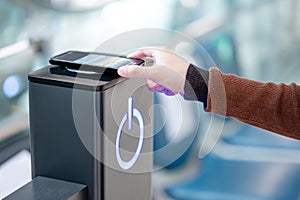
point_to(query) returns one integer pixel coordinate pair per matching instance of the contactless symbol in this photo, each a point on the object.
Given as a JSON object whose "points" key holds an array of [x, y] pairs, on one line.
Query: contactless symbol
{"points": [[132, 112]]}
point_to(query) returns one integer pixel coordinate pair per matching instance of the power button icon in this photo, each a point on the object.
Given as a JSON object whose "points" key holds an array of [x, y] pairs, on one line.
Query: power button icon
{"points": [[132, 112]]}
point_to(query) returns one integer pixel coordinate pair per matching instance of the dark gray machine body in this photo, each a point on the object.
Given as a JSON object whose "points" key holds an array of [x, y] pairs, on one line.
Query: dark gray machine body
{"points": [[76, 134]]}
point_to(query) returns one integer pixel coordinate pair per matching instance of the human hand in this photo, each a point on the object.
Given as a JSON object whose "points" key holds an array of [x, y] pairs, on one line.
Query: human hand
{"points": [[166, 75]]}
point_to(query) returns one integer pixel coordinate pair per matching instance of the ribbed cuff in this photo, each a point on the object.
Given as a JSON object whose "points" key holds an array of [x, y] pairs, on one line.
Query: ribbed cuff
{"points": [[196, 84]]}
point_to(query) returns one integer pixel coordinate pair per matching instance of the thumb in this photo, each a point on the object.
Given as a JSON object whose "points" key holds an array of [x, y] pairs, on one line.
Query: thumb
{"points": [[135, 71]]}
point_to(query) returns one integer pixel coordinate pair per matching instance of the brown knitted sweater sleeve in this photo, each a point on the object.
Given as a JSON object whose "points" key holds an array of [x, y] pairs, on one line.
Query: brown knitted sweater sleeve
{"points": [[274, 107]]}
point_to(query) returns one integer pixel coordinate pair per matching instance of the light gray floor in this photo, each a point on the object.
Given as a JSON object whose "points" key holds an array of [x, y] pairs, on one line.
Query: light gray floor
{"points": [[15, 173]]}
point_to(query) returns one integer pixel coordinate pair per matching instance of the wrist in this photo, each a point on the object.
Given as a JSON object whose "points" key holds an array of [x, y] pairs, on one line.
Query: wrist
{"points": [[196, 84]]}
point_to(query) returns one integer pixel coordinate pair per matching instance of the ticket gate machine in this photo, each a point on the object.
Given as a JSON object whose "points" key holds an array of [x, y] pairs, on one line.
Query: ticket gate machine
{"points": [[92, 131]]}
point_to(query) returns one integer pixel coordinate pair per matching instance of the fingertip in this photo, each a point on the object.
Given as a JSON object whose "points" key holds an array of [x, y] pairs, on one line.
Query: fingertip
{"points": [[131, 71], [122, 71]]}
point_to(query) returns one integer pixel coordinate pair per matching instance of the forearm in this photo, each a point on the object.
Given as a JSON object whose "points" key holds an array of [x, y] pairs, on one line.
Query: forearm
{"points": [[266, 105]]}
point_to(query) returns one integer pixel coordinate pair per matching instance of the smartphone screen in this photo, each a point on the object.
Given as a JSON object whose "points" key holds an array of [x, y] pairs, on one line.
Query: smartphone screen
{"points": [[77, 58]]}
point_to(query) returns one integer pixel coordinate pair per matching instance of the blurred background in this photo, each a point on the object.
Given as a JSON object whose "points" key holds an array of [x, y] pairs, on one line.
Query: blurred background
{"points": [[257, 39]]}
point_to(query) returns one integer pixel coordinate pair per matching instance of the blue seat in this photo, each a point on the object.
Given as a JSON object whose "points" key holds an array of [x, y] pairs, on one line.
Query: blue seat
{"points": [[236, 179], [221, 179], [257, 137]]}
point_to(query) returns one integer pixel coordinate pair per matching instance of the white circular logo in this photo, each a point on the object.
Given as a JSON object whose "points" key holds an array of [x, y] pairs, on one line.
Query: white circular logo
{"points": [[128, 117]]}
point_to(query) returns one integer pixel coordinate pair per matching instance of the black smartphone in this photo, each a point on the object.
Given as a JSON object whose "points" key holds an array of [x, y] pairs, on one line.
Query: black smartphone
{"points": [[93, 62]]}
